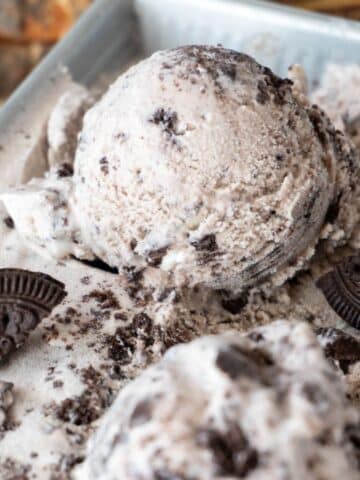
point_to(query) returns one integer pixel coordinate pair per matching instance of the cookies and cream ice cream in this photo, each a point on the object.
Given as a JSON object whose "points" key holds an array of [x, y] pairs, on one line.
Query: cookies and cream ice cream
{"points": [[203, 163], [200, 176], [263, 406]]}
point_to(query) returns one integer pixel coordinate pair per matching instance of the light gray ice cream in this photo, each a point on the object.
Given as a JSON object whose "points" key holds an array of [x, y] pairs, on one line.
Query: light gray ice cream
{"points": [[201, 161], [263, 406]]}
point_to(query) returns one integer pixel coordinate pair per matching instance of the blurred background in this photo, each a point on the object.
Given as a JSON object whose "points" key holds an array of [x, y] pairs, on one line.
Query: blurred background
{"points": [[29, 28]]}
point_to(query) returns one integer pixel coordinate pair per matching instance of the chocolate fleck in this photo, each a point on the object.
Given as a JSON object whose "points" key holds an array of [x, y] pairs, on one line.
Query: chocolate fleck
{"points": [[65, 170], [167, 119], [100, 265], [234, 305], [231, 450], [104, 165]]}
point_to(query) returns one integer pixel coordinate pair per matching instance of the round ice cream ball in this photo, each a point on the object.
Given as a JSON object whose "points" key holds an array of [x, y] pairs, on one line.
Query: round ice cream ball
{"points": [[266, 406], [201, 162]]}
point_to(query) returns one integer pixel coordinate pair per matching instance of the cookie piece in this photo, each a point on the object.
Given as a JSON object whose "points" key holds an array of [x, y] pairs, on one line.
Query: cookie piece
{"points": [[341, 288], [25, 299], [264, 405]]}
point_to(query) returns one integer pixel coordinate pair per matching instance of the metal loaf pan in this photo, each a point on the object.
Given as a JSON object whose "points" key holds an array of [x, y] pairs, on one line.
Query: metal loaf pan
{"points": [[113, 33]]}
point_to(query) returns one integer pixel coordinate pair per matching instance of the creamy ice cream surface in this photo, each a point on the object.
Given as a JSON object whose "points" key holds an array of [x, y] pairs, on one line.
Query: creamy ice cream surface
{"points": [[202, 161], [263, 406], [201, 196]]}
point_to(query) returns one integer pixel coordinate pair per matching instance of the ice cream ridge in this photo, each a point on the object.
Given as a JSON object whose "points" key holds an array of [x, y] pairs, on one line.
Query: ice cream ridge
{"points": [[202, 220]]}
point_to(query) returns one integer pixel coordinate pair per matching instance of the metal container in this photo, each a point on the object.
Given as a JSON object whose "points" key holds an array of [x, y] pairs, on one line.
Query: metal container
{"points": [[113, 32]]}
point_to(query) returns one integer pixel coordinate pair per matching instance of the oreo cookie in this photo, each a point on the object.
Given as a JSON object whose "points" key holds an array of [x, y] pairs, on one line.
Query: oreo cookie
{"points": [[341, 288], [25, 299]]}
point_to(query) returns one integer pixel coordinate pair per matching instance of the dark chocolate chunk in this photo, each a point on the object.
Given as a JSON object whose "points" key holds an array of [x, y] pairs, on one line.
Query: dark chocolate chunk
{"points": [[154, 258], [234, 305], [208, 242], [333, 210], [231, 451], [341, 288], [25, 299], [9, 222], [166, 119], [236, 363], [120, 347], [143, 324], [104, 165], [133, 244], [100, 265], [78, 410], [342, 348], [65, 170]]}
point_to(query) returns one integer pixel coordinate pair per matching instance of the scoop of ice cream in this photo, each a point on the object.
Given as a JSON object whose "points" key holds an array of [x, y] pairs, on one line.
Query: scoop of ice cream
{"points": [[266, 405], [202, 162]]}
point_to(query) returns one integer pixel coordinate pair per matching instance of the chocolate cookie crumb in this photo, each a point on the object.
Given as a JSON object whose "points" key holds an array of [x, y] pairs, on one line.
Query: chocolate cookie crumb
{"points": [[85, 408], [105, 298], [167, 119], [234, 305]]}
